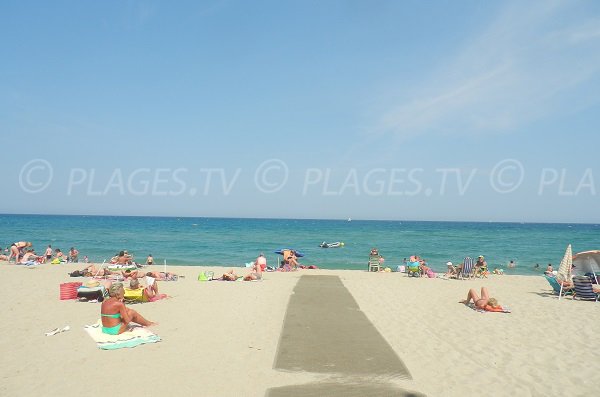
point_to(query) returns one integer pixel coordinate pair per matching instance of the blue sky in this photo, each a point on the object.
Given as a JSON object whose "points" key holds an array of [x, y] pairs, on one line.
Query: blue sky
{"points": [[440, 110]]}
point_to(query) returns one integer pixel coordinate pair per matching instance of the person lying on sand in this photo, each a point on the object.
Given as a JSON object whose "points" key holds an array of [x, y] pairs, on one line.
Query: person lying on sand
{"points": [[93, 271], [115, 315], [162, 276], [484, 302], [229, 276], [255, 273], [232, 276]]}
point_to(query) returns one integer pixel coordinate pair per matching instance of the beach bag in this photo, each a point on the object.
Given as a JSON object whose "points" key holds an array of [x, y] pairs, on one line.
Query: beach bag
{"points": [[134, 295], [430, 273], [205, 276], [69, 290]]}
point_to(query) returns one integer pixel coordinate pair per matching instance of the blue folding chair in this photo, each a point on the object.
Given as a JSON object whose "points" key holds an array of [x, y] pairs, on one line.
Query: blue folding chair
{"points": [[467, 268], [557, 287]]}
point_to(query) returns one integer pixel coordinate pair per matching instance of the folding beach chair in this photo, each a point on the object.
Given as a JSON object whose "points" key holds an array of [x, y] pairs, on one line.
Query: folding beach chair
{"points": [[374, 264], [556, 287], [583, 289], [413, 269], [467, 268]]}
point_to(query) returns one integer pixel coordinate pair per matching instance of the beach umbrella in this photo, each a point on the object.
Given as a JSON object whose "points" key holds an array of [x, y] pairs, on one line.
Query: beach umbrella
{"points": [[298, 253], [564, 270], [587, 262]]}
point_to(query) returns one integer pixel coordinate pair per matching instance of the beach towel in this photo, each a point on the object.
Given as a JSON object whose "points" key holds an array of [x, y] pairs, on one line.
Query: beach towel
{"points": [[134, 337], [504, 309]]}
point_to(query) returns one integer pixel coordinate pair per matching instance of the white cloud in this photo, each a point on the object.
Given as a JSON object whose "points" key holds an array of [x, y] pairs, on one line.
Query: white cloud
{"points": [[525, 66]]}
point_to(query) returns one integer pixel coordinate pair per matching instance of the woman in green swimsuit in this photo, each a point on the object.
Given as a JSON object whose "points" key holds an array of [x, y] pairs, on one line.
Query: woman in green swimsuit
{"points": [[115, 316]]}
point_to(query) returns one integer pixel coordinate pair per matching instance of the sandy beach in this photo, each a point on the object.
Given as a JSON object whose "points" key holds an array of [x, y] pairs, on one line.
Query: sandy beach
{"points": [[224, 338]]}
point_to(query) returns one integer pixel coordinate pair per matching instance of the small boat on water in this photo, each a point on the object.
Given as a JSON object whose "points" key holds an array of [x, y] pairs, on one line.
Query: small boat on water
{"points": [[337, 244]]}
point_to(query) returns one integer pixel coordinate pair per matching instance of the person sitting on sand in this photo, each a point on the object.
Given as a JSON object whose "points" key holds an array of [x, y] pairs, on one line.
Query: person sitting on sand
{"points": [[293, 260], [290, 261], [73, 255], [150, 292], [425, 270], [255, 272], [29, 258], [149, 260], [58, 254], [121, 258], [481, 267], [549, 270], [484, 302], [115, 315], [452, 270], [261, 261]]}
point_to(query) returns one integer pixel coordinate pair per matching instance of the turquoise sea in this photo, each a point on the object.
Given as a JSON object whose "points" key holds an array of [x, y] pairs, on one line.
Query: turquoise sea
{"points": [[235, 241]]}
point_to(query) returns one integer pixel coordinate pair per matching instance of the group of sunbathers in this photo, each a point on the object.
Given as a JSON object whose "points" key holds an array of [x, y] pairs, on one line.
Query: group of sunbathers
{"points": [[24, 254], [256, 271], [480, 269]]}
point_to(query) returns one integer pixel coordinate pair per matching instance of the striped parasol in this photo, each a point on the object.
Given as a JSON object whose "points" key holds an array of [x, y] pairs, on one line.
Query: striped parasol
{"points": [[564, 270]]}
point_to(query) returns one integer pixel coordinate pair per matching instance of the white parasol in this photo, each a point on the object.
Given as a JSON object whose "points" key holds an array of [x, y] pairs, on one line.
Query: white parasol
{"points": [[564, 270]]}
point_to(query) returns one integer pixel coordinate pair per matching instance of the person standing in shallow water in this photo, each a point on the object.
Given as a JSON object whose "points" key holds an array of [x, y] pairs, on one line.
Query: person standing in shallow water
{"points": [[48, 254]]}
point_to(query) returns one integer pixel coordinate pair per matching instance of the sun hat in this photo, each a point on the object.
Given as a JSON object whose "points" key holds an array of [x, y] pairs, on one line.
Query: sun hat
{"points": [[448, 263]]}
